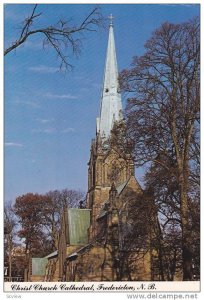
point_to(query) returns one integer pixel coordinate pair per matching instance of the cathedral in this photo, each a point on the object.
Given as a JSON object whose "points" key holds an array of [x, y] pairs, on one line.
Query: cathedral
{"points": [[109, 239]]}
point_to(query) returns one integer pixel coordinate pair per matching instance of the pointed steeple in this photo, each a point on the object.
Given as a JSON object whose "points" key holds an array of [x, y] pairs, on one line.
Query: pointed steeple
{"points": [[111, 104]]}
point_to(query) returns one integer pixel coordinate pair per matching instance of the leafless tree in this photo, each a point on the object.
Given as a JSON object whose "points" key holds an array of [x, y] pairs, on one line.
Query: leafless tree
{"points": [[57, 201], [9, 235], [61, 36], [163, 112]]}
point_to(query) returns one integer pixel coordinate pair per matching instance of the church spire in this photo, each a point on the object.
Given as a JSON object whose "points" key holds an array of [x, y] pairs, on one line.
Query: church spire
{"points": [[111, 105]]}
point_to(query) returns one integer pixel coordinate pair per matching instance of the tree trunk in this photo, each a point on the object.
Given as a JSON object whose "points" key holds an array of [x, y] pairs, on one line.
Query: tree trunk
{"points": [[27, 258], [160, 256], [183, 175], [10, 260], [186, 245]]}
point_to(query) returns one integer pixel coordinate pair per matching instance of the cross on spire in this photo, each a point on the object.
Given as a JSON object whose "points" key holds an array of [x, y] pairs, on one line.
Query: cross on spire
{"points": [[111, 19]]}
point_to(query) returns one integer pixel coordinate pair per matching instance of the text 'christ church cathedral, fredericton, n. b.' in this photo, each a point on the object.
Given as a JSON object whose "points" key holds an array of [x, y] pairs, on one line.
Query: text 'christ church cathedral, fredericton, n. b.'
{"points": [[112, 237]]}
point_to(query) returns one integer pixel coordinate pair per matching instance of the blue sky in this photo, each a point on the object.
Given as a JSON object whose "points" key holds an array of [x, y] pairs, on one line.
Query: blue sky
{"points": [[49, 117]]}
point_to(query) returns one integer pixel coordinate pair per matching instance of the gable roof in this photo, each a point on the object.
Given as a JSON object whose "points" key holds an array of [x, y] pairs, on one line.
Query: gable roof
{"points": [[122, 186], [39, 266], [78, 224], [53, 254], [119, 188]]}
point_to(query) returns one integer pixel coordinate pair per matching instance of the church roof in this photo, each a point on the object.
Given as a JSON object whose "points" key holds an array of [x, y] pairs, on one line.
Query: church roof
{"points": [[103, 212], [111, 104], [39, 266], [78, 224], [119, 189], [121, 186], [72, 255], [53, 254]]}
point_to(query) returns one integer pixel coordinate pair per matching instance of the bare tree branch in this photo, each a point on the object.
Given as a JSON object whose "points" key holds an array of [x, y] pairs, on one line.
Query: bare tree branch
{"points": [[60, 36], [163, 121]]}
